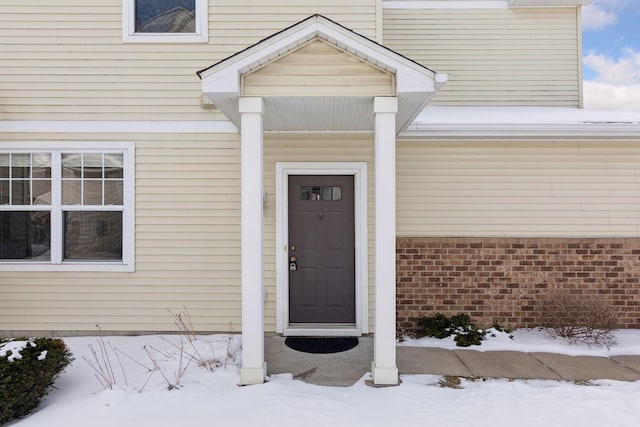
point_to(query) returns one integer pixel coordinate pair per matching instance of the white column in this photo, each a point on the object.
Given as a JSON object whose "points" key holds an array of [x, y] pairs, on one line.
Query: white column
{"points": [[383, 368], [254, 368]]}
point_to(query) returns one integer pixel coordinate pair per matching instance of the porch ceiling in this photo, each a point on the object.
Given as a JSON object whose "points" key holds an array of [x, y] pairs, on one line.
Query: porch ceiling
{"points": [[415, 84]]}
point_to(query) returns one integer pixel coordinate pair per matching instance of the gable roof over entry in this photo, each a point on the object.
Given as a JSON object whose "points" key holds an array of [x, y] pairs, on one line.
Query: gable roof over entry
{"points": [[414, 83]]}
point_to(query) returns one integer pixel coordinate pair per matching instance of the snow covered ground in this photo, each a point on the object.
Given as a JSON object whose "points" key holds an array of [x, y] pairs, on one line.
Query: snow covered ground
{"points": [[211, 396]]}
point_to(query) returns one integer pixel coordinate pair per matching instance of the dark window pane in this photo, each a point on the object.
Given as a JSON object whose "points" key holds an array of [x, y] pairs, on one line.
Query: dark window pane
{"points": [[25, 235], [41, 192], [337, 193], [20, 164], [93, 236], [93, 172], [92, 194], [93, 166], [71, 192], [165, 16], [326, 193], [71, 165], [305, 193], [113, 192], [4, 165], [113, 165], [41, 165], [20, 192], [4, 192]]}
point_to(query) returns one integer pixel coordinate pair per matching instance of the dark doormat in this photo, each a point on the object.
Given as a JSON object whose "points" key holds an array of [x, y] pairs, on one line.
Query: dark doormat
{"points": [[321, 344]]}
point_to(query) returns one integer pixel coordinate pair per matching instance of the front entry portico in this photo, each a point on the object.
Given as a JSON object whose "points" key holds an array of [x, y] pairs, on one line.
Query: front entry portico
{"points": [[383, 94]]}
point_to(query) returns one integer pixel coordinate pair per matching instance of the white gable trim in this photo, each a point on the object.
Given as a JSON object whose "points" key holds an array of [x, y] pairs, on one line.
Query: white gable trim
{"points": [[224, 77]]}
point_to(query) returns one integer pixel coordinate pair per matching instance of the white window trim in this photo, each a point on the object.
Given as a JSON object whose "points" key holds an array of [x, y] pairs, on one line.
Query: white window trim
{"points": [[359, 172], [128, 211], [129, 34]]}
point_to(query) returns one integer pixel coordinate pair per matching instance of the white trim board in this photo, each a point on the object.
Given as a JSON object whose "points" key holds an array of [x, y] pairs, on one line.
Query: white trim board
{"points": [[480, 4], [116, 126], [359, 172], [444, 4]]}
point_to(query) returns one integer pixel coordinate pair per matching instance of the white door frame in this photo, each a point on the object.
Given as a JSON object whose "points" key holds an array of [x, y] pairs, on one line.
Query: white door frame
{"points": [[359, 172]]}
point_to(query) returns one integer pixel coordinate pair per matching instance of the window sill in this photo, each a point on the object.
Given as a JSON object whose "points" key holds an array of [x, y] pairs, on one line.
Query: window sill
{"points": [[68, 266], [165, 38]]}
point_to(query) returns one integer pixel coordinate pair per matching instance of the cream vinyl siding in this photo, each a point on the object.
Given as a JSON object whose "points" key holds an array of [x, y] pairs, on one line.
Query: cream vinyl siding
{"points": [[62, 60], [517, 188], [187, 248], [312, 148], [318, 69], [493, 57]]}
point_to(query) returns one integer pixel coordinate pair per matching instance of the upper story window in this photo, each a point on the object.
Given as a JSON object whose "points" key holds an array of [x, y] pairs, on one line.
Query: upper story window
{"points": [[164, 21], [66, 207]]}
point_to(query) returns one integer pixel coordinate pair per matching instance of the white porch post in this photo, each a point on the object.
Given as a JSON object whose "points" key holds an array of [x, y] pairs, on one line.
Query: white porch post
{"points": [[254, 368], [383, 368]]}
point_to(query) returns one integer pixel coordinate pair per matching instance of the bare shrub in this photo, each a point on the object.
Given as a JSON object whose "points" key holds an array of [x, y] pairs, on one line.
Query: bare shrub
{"points": [[101, 363], [579, 318]]}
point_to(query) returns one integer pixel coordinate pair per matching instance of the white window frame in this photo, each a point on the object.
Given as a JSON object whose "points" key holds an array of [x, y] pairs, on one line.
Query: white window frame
{"points": [[129, 34], [56, 262]]}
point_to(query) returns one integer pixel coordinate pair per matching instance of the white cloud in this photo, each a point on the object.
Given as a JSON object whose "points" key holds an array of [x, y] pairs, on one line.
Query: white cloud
{"points": [[594, 17], [603, 96], [603, 13], [617, 82], [618, 71]]}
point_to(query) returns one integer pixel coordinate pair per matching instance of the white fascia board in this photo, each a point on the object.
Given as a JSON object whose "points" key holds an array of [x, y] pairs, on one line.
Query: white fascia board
{"points": [[227, 81], [479, 4], [446, 4], [549, 3], [514, 132]]}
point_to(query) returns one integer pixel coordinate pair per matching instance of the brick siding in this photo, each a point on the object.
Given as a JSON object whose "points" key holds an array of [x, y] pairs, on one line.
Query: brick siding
{"points": [[504, 279]]}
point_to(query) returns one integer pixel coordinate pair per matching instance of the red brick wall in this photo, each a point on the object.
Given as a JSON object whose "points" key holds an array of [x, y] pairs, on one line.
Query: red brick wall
{"points": [[502, 279]]}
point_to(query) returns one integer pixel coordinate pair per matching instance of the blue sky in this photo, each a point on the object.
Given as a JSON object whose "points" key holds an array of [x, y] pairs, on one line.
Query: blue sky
{"points": [[611, 55]]}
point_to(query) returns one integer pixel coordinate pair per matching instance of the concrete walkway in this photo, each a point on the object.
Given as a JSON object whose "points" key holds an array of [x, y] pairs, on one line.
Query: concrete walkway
{"points": [[516, 365], [346, 368]]}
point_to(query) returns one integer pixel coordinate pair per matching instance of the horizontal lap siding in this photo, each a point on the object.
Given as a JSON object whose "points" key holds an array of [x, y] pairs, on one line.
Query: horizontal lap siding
{"points": [[562, 189], [493, 57], [318, 69], [237, 22], [312, 148], [187, 248], [63, 60]]}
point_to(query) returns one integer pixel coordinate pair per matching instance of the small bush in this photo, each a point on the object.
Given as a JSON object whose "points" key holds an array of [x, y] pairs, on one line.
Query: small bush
{"points": [[579, 318], [438, 326], [468, 337], [27, 371], [460, 325]]}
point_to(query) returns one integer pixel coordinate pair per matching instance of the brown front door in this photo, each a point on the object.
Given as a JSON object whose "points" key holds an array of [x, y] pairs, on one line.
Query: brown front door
{"points": [[321, 249]]}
